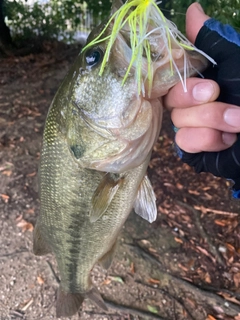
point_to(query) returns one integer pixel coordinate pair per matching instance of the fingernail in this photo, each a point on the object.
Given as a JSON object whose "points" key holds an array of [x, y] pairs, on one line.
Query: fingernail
{"points": [[229, 138], [232, 117], [199, 7], [203, 91]]}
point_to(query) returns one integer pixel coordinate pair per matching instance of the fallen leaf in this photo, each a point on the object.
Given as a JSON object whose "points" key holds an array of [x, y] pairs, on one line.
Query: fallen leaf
{"points": [[207, 278], [145, 242], [209, 317], [7, 173], [117, 279], [154, 281], [208, 196], [152, 250], [106, 281], [204, 251], [230, 247], [152, 309], [206, 188], [179, 186], [132, 267], [30, 211], [220, 223], [196, 193], [183, 267], [5, 197], [32, 174], [26, 226], [40, 280], [178, 240]]}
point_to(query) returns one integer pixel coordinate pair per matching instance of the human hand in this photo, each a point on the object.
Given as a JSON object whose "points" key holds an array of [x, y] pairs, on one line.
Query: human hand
{"points": [[205, 124]]}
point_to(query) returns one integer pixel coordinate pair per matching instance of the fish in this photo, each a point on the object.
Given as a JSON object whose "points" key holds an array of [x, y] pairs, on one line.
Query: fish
{"points": [[97, 144]]}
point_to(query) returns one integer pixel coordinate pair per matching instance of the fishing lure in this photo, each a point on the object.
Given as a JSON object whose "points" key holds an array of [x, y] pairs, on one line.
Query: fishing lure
{"points": [[144, 18]]}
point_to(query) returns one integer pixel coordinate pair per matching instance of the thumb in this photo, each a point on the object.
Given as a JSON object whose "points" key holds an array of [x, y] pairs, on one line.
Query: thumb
{"points": [[195, 18]]}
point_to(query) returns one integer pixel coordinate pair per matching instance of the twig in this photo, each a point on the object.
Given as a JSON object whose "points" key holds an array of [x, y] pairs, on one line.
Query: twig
{"points": [[13, 253], [27, 305], [204, 209], [203, 233], [16, 313]]}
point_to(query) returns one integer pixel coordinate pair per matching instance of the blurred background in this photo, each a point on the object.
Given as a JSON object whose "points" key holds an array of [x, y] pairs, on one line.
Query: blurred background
{"points": [[71, 20]]}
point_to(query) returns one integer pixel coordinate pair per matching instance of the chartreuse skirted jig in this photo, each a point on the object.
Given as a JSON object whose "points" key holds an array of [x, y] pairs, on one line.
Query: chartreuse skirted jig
{"points": [[144, 18]]}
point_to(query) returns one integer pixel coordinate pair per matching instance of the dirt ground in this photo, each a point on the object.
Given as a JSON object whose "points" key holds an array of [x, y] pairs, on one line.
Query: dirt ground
{"points": [[184, 266]]}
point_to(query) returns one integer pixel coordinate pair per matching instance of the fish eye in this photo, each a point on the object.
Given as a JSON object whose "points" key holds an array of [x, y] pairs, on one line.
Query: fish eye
{"points": [[93, 57]]}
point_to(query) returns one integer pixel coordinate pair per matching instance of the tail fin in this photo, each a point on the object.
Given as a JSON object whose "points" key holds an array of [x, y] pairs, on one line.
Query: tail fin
{"points": [[68, 303]]}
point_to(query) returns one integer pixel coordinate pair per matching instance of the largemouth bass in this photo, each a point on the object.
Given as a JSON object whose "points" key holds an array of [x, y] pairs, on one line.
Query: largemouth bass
{"points": [[97, 144]]}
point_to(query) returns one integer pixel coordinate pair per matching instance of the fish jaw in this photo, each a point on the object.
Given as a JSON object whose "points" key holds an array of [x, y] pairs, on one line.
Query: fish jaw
{"points": [[168, 68]]}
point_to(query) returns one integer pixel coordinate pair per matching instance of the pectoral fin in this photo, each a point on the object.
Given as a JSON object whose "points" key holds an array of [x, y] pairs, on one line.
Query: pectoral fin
{"points": [[145, 203], [103, 195], [107, 259], [40, 247]]}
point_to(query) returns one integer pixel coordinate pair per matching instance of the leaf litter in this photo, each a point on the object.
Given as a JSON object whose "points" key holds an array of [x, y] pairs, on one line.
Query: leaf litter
{"points": [[159, 264]]}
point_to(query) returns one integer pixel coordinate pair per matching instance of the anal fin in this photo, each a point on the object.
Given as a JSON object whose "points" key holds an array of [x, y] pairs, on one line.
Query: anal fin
{"points": [[107, 259], [145, 203], [103, 195], [68, 303], [40, 247]]}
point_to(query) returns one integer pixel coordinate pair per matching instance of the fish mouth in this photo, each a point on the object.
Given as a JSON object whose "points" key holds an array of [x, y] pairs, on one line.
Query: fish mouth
{"points": [[161, 74], [160, 63]]}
